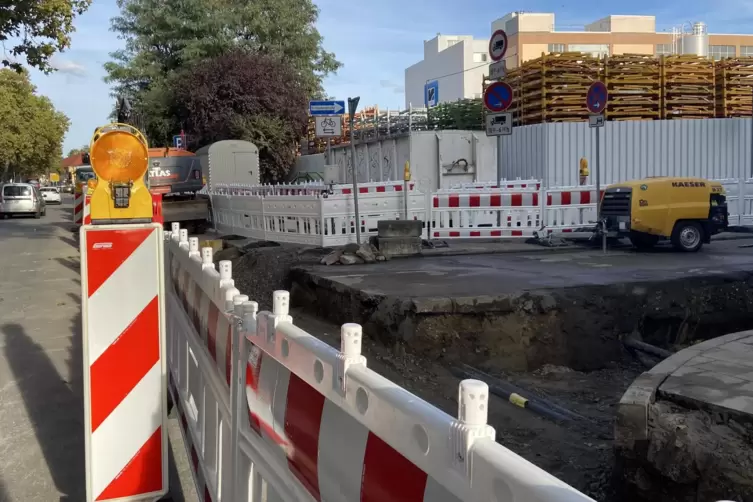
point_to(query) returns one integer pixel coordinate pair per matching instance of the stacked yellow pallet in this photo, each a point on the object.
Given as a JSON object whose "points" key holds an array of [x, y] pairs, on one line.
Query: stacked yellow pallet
{"points": [[554, 87], [688, 85], [734, 87], [634, 86]]}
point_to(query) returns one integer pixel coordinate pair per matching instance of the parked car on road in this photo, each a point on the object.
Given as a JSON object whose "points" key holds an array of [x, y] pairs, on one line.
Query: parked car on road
{"points": [[21, 198], [51, 195]]}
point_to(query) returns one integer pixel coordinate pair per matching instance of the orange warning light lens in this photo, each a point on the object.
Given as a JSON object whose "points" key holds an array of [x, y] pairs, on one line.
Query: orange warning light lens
{"points": [[119, 156], [92, 183]]}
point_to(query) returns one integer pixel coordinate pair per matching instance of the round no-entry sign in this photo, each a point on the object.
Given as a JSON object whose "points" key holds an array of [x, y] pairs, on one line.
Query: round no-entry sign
{"points": [[498, 97], [498, 45]]}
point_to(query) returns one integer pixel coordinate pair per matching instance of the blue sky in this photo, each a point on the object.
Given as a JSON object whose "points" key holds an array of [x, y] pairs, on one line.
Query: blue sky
{"points": [[375, 40]]}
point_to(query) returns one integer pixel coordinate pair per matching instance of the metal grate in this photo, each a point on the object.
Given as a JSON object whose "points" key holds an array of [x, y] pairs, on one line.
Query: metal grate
{"points": [[616, 203]]}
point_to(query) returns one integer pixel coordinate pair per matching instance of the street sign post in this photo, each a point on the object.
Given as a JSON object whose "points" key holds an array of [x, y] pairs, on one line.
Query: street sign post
{"points": [[498, 45], [499, 124], [497, 99], [597, 98], [431, 94], [352, 107], [328, 126], [326, 107]]}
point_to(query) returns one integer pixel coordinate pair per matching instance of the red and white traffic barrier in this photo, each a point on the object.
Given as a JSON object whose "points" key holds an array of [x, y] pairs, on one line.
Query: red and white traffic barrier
{"points": [[570, 209], [509, 184], [87, 210], [209, 321], [378, 187], [334, 456], [493, 199], [123, 339], [79, 200], [483, 233]]}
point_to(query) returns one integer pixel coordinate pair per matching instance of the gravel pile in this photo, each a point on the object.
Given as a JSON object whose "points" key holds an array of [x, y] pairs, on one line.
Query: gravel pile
{"points": [[260, 268]]}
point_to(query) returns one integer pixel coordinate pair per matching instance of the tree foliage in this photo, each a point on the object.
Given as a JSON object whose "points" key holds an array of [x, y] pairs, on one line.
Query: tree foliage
{"points": [[31, 130], [76, 151], [164, 38], [165, 35], [41, 27], [243, 95]]}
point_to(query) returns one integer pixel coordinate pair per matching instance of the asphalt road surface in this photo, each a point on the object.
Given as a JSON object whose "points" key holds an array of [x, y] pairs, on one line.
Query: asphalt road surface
{"points": [[41, 397]]}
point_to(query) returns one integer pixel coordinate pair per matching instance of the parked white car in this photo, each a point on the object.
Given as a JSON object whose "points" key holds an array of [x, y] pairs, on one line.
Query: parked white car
{"points": [[51, 195]]}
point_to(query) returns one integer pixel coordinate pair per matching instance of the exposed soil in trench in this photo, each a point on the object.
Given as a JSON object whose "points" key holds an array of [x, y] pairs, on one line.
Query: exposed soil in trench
{"points": [[563, 346]]}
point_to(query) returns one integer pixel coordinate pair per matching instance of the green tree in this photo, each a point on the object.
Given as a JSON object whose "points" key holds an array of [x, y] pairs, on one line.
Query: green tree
{"points": [[243, 95], [76, 151], [41, 27], [165, 36], [31, 130]]}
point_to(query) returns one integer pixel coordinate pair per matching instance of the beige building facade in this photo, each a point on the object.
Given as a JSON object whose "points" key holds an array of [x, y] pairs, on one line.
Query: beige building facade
{"points": [[532, 34]]}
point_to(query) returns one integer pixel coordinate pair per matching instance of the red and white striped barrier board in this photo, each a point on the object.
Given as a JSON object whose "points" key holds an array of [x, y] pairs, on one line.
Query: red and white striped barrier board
{"points": [[333, 455], [571, 197], [211, 325], [486, 185], [484, 200], [87, 210], [124, 362], [78, 208], [469, 233], [387, 187]]}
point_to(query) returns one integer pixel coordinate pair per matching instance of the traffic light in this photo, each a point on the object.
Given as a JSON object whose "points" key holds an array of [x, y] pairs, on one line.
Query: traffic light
{"points": [[120, 158]]}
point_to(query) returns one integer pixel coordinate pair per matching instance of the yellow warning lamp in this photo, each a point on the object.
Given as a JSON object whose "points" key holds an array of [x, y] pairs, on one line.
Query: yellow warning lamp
{"points": [[120, 158], [406, 171], [584, 166]]}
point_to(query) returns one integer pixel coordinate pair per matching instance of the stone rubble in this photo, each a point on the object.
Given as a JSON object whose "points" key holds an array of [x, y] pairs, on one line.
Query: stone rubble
{"points": [[353, 254]]}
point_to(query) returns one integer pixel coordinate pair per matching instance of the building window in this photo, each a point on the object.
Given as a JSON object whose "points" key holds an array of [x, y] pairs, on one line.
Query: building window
{"points": [[556, 48], [746, 50], [717, 52], [663, 49], [595, 50], [479, 57]]}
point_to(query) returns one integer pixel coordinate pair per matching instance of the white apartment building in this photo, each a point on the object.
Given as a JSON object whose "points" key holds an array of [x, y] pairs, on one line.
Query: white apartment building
{"points": [[456, 62]]}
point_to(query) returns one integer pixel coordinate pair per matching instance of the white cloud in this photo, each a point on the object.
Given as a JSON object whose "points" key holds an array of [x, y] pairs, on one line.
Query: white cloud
{"points": [[68, 67]]}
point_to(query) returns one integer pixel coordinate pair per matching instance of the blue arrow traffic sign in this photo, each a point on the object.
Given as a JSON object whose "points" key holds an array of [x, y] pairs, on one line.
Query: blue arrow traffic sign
{"points": [[326, 107], [498, 97], [597, 97]]}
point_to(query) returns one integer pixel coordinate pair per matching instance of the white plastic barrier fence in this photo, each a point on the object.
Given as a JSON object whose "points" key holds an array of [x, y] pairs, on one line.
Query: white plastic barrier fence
{"points": [[484, 213], [317, 220], [325, 217], [503, 183], [271, 413]]}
